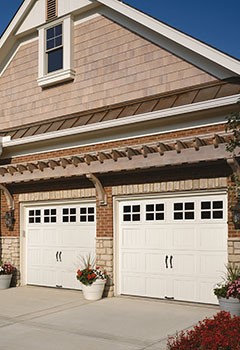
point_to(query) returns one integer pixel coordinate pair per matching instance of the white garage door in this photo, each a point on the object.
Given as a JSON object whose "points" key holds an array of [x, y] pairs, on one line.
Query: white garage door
{"points": [[173, 248], [57, 236]]}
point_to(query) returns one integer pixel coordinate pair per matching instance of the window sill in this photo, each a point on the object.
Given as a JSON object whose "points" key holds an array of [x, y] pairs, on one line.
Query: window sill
{"points": [[57, 77]]}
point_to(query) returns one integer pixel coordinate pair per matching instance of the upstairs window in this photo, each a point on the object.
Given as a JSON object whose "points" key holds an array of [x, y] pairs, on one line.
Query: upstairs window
{"points": [[55, 52], [54, 48]]}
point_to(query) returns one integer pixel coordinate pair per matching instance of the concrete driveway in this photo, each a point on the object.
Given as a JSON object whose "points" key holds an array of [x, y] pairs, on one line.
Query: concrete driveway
{"points": [[52, 319]]}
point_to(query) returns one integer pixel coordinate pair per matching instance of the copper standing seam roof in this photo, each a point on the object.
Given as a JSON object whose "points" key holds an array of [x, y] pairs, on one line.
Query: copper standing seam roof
{"points": [[140, 106]]}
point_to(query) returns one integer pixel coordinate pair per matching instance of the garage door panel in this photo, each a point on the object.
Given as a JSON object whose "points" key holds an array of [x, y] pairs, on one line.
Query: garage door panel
{"points": [[155, 263], [212, 264], [34, 275], [212, 238], [155, 237], [35, 237], [182, 262], [49, 236], [185, 289], [54, 247], [178, 245], [133, 237], [73, 236], [182, 237], [133, 261], [156, 286], [206, 294], [133, 284], [35, 256]]}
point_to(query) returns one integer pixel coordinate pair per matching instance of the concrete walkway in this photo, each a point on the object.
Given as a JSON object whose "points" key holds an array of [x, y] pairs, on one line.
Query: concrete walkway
{"points": [[35, 318]]}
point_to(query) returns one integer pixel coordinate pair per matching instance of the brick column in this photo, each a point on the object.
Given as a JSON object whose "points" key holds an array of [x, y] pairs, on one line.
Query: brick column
{"points": [[104, 240], [234, 250], [10, 252]]}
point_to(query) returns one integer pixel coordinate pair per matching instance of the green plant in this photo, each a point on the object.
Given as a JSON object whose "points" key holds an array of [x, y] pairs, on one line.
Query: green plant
{"points": [[89, 272], [229, 286]]}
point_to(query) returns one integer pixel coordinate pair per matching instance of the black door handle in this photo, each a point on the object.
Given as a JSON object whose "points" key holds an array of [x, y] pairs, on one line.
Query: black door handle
{"points": [[166, 261], [171, 259], [57, 256], [60, 256]]}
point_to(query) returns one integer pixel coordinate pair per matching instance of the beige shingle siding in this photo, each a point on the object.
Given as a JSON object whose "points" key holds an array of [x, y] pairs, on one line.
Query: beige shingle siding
{"points": [[112, 65]]}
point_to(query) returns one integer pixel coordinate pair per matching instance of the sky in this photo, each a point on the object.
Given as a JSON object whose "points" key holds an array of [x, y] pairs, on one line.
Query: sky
{"points": [[215, 22]]}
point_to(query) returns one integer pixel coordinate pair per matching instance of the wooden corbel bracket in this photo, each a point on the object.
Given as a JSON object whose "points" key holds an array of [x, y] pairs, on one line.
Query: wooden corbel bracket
{"points": [[101, 194]]}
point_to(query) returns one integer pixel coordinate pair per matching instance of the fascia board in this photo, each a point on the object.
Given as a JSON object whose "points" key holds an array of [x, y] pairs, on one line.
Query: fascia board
{"points": [[178, 37], [141, 118]]}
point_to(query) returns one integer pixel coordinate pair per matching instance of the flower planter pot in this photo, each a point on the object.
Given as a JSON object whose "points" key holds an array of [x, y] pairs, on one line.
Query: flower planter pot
{"points": [[231, 305], [5, 281], [94, 291]]}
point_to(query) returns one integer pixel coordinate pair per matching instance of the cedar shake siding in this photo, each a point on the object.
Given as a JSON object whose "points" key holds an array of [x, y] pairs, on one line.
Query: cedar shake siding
{"points": [[112, 65]]}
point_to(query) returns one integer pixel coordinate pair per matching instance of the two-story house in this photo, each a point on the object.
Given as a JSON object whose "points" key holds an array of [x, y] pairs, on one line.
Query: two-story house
{"points": [[113, 143]]}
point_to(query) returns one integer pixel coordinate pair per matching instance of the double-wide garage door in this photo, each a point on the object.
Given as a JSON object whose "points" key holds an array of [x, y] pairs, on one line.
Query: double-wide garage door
{"points": [[173, 248], [57, 236]]}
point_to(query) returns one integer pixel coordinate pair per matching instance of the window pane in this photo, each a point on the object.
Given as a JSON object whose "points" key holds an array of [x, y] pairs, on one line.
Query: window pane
{"points": [[189, 215], [217, 205], [58, 29], [178, 206], [205, 205], [58, 41], [136, 208], [136, 217], [218, 214], [91, 210], [50, 33], [159, 207], [178, 216], [189, 206], [55, 60], [160, 216], [127, 209], [50, 44], [205, 215], [149, 216], [127, 217], [150, 207]]}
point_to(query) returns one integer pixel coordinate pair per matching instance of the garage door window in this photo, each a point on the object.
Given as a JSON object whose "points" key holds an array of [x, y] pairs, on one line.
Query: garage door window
{"points": [[154, 212], [34, 216], [212, 210], [131, 213], [87, 214], [69, 215], [183, 211], [50, 215]]}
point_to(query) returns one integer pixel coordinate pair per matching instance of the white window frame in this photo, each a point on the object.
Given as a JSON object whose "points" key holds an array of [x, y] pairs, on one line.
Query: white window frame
{"points": [[66, 73]]}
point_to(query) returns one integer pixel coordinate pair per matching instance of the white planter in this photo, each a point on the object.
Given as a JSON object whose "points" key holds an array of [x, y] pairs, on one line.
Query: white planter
{"points": [[231, 305], [5, 281], [94, 291]]}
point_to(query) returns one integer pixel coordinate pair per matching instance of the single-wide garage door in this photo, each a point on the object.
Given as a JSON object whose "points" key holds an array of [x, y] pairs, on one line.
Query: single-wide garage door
{"points": [[57, 236], [173, 248]]}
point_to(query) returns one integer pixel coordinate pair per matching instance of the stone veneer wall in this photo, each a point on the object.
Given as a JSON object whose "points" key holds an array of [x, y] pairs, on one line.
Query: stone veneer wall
{"points": [[10, 252], [104, 255], [234, 250]]}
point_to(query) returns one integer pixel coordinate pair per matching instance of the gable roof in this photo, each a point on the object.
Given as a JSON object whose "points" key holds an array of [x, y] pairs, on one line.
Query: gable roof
{"points": [[192, 50]]}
